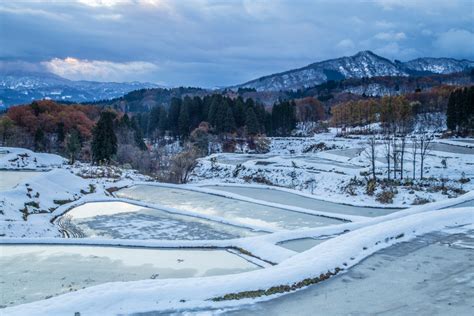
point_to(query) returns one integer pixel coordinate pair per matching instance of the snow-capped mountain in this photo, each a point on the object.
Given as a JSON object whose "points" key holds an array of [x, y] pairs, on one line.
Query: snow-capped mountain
{"points": [[364, 64], [438, 65], [23, 87]]}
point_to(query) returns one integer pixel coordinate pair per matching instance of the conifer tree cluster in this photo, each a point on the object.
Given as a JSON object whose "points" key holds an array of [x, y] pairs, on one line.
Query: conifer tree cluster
{"points": [[460, 112], [225, 116]]}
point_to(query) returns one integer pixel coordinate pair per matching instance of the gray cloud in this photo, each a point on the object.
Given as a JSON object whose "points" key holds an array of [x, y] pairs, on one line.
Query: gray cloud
{"points": [[211, 43]]}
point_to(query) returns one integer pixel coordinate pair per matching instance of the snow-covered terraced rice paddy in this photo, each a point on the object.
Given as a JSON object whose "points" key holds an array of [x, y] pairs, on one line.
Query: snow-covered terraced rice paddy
{"points": [[35, 272], [452, 149], [128, 221], [239, 211], [287, 198], [9, 179], [432, 275], [235, 159]]}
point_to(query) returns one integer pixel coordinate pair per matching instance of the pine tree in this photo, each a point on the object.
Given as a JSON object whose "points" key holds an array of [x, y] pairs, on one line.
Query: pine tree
{"points": [[221, 116], [251, 122], [173, 116], [73, 145], [213, 108], [60, 133], [239, 112], [104, 140], [39, 140], [229, 122], [163, 122], [183, 122]]}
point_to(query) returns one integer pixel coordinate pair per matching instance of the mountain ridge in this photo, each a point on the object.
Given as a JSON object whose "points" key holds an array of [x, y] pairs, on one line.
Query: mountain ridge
{"points": [[18, 87], [362, 64]]}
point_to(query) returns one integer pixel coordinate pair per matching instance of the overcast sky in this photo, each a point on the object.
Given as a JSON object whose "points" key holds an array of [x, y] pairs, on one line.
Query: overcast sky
{"points": [[217, 43]]}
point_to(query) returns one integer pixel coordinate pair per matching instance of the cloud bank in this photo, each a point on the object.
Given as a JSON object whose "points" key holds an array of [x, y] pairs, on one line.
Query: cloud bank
{"points": [[222, 42]]}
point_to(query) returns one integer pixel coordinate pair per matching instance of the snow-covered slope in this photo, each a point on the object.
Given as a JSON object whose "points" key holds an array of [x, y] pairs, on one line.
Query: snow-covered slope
{"points": [[23, 87], [364, 64], [438, 65]]}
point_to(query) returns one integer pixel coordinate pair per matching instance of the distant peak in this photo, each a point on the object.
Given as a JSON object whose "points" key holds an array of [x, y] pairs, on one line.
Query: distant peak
{"points": [[366, 53]]}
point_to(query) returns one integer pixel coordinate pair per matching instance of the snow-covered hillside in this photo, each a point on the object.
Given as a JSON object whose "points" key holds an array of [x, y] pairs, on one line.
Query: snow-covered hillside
{"points": [[364, 64], [21, 87]]}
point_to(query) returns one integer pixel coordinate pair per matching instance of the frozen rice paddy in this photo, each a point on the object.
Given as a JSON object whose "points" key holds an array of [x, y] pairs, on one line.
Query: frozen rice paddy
{"points": [[120, 220], [432, 275], [239, 211], [300, 245], [35, 272], [287, 198], [9, 179]]}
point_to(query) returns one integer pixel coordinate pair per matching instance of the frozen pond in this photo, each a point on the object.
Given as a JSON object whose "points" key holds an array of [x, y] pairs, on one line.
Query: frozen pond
{"points": [[35, 272], [433, 275], [277, 196], [10, 178], [128, 221], [240, 211]]}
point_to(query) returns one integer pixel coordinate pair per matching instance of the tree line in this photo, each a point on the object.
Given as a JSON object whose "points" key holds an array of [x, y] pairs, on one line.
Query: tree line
{"points": [[226, 117]]}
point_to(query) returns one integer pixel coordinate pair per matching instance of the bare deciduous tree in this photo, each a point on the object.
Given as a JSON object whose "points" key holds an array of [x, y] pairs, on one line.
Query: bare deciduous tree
{"points": [[371, 154], [426, 141]]}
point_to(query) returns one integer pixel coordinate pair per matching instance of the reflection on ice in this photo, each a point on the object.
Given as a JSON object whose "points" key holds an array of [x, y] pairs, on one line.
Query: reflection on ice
{"points": [[300, 245], [34, 272], [240, 211], [277, 196], [128, 221], [432, 275]]}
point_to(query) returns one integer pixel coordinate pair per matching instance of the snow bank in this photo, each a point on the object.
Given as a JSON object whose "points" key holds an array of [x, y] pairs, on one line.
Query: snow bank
{"points": [[21, 158]]}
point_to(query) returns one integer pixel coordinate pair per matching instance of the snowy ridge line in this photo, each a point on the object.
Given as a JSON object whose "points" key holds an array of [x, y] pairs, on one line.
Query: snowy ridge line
{"points": [[296, 192], [341, 217], [456, 143], [177, 294], [92, 199]]}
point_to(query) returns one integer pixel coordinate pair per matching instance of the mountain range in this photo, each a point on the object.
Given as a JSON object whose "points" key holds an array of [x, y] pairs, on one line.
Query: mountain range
{"points": [[364, 64], [19, 87]]}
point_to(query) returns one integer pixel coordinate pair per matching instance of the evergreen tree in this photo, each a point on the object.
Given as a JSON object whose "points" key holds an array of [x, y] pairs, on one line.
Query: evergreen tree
{"points": [[251, 122], [60, 133], [39, 140], [221, 116], [451, 119], [229, 122], [183, 122], [73, 145], [155, 118], [239, 112], [213, 108], [163, 121], [173, 116], [104, 140]]}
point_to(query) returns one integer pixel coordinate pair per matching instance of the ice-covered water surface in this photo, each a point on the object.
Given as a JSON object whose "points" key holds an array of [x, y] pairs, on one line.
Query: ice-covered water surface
{"points": [[35, 272], [128, 221], [300, 245], [432, 275], [287, 198], [11, 178], [240, 211]]}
